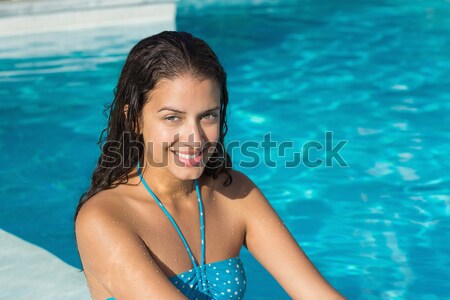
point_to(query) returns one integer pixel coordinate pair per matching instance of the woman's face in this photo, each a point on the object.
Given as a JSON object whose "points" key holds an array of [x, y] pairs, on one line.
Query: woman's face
{"points": [[182, 116]]}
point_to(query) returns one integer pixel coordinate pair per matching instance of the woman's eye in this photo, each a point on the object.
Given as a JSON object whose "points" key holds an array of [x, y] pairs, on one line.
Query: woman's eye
{"points": [[170, 118], [211, 116]]}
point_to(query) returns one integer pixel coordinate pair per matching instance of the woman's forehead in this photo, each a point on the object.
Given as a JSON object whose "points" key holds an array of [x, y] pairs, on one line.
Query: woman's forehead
{"points": [[184, 93]]}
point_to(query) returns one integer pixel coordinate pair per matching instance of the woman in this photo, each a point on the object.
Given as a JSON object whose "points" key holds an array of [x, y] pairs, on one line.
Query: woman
{"points": [[167, 216]]}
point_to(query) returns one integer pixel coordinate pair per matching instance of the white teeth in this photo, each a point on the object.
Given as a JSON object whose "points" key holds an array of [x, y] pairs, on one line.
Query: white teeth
{"points": [[186, 156]]}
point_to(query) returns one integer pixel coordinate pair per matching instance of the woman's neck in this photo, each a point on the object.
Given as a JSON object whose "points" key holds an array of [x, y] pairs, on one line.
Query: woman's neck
{"points": [[168, 188]]}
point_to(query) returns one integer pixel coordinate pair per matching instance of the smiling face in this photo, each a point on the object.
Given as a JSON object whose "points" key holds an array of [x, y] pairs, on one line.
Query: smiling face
{"points": [[182, 116]]}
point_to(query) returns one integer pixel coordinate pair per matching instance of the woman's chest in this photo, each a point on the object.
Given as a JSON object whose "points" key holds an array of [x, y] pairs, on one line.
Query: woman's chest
{"points": [[174, 237]]}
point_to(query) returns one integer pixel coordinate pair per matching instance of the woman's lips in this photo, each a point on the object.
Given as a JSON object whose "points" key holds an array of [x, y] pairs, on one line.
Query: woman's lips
{"points": [[189, 160]]}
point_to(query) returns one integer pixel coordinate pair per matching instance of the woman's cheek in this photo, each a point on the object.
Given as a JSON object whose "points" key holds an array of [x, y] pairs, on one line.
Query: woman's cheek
{"points": [[213, 134]]}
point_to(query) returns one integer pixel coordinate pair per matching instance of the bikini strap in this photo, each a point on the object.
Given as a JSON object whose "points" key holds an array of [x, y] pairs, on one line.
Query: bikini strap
{"points": [[202, 225], [202, 222]]}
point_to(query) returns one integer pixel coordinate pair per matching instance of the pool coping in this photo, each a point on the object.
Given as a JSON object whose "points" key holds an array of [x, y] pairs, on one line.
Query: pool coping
{"points": [[31, 272], [28, 17]]}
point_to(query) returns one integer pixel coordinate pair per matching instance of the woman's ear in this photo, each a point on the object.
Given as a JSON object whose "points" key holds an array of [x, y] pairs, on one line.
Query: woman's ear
{"points": [[125, 111]]}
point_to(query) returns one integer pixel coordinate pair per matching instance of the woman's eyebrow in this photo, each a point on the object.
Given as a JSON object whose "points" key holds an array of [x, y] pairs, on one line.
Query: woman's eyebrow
{"points": [[182, 112], [172, 109], [214, 108]]}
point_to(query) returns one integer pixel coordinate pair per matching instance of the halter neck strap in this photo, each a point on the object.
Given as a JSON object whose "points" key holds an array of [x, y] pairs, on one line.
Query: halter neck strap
{"points": [[202, 224]]}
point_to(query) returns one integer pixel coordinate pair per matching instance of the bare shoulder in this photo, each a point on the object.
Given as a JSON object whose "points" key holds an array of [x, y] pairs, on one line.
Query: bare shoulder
{"points": [[241, 186], [98, 222], [102, 199], [99, 210], [242, 195], [266, 236], [115, 255]]}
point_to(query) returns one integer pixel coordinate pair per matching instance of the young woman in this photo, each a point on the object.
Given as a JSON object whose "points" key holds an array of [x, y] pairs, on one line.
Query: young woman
{"points": [[166, 216]]}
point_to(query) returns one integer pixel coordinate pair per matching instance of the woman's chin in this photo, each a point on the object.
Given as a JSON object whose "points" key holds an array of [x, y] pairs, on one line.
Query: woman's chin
{"points": [[187, 173]]}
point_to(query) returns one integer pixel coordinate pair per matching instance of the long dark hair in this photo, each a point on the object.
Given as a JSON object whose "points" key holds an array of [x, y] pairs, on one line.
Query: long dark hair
{"points": [[166, 55]]}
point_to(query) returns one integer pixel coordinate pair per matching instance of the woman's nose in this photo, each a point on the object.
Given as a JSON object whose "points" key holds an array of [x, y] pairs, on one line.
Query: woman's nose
{"points": [[194, 136]]}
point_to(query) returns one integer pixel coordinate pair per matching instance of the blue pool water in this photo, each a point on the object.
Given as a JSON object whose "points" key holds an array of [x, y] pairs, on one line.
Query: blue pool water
{"points": [[375, 73]]}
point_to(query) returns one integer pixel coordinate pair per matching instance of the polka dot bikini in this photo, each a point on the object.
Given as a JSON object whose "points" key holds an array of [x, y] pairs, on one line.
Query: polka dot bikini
{"points": [[223, 279]]}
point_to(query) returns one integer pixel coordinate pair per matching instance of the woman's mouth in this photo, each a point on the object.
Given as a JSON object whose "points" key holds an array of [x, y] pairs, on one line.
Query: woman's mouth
{"points": [[189, 160]]}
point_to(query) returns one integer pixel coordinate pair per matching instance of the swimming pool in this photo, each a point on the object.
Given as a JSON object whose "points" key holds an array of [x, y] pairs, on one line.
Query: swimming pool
{"points": [[375, 73]]}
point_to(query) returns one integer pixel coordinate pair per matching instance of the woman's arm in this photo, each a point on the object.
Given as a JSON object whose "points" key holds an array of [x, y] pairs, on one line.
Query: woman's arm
{"points": [[271, 243], [118, 258]]}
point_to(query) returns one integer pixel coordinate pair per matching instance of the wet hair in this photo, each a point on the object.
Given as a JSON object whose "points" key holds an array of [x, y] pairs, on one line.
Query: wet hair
{"points": [[166, 55]]}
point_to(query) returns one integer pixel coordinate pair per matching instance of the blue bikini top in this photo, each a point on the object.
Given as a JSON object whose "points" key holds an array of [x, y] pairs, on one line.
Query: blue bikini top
{"points": [[224, 279]]}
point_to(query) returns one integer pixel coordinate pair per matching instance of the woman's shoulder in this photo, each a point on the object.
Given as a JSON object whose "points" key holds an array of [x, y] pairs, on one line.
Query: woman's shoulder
{"points": [[105, 207], [240, 187], [103, 201]]}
